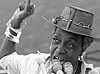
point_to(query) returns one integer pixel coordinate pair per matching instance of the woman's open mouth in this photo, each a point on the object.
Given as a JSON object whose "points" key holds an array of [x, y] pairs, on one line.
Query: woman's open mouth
{"points": [[58, 58]]}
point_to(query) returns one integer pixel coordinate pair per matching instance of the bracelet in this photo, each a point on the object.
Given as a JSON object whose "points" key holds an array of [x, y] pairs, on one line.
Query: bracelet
{"points": [[9, 35], [23, 24], [12, 37]]}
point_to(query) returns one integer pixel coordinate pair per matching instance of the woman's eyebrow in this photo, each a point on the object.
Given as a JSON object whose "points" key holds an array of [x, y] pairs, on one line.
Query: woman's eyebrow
{"points": [[57, 34], [74, 38]]}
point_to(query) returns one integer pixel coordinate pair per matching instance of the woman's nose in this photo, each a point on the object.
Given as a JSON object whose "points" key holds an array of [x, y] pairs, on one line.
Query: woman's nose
{"points": [[60, 49]]}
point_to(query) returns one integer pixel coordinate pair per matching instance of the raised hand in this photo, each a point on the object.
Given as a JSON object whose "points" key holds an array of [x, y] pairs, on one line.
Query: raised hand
{"points": [[26, 8]]}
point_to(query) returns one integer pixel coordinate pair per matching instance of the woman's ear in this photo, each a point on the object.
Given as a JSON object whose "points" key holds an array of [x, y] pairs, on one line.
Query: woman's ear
{"points": [[87, 42]]}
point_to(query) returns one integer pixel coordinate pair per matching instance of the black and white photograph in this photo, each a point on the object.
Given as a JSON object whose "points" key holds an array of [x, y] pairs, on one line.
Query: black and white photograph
{"points": [[49, 36]]}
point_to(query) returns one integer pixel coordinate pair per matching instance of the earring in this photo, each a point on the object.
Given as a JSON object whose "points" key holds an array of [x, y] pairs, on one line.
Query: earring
{"points": [[81, 58]]}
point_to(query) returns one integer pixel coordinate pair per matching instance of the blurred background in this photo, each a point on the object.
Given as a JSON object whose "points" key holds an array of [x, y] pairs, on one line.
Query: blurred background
{"points": [[38, 32]]}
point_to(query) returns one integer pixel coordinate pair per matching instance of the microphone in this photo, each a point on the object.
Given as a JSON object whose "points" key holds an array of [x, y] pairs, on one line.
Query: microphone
{"points": [[57, 67], [68, 68], [41, 61]]}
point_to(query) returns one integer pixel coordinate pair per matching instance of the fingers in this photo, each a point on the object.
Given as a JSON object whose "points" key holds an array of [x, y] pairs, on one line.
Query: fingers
{"points": [[32, 6], [22, 5], [28, 2], [27, 6]]}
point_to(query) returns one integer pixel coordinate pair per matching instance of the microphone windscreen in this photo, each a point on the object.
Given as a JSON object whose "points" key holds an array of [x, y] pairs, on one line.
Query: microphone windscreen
{"points": [[59, 72], [68, 68], [56, 65], [40, 60]]}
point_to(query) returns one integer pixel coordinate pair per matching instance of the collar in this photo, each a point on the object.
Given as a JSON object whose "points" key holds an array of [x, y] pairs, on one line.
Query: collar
{"points": [[85, 68]]}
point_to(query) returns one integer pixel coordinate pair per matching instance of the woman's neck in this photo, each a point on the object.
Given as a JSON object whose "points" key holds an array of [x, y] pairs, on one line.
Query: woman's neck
{"points": [[77, 68]]}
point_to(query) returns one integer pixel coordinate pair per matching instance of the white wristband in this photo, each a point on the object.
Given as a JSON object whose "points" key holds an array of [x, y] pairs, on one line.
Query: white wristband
{"points": [[9, 35], [12, 37], [23, 24]]}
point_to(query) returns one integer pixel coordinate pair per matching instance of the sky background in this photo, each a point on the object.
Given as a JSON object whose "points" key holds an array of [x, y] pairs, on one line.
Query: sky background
{"points": [[37, 34]]}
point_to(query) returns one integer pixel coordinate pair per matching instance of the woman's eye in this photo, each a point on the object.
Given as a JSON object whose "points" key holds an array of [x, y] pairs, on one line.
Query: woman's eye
{"points": [[55, 39], [69, 45]]}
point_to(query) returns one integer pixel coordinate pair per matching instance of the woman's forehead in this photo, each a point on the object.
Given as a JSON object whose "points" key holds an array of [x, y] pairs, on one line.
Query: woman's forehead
{"points": [[62, 32]]}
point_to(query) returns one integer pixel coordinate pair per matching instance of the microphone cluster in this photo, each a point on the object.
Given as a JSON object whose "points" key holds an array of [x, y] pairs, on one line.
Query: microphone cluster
{"points": [[57, 67]]}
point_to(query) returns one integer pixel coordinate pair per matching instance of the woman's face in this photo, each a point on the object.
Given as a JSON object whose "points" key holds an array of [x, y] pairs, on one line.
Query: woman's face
{"points": [[66, 46]]}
